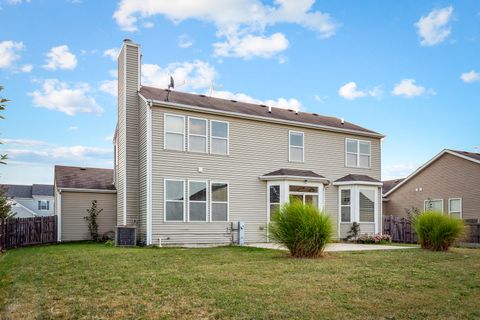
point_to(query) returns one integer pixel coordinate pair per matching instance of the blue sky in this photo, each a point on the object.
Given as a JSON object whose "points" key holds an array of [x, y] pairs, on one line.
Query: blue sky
{"points": [[408, 69]]}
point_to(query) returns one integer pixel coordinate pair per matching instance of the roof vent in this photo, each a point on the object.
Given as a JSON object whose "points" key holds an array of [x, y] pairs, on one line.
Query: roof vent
{"points": [[202, 95], [83, 168], [127, 40], [263, 105], [233, 100], [291, 110], [315, 114], [269, 109], [342, 120]]}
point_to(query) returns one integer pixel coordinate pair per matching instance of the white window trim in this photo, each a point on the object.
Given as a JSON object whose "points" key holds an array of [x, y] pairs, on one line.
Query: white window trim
{"points": [[429, 200], [198, 135], [47, 205], [340, 205], [223, 138], [213, 202], [358, 153], [375, 202], [165, 200], [461, 207], [196, 201], [290, 145], [165, 116]]}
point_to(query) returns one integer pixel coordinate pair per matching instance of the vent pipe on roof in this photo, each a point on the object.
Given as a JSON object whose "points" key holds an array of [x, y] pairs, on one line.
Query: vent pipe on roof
{"points": [[342, 120], [269, 109]]}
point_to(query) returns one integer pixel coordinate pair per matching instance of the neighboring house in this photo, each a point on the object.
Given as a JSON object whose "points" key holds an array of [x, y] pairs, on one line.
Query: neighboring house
{"points": [[30, 200], [189, 166], [75, 189], [449, 183]]}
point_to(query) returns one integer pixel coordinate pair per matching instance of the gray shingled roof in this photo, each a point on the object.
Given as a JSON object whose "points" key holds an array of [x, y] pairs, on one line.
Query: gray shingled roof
{"points": [[390, 184], [473, 155], [84, 178], [357, 177], [17, 191], [42, 190], [218, 104], [294, 173]]}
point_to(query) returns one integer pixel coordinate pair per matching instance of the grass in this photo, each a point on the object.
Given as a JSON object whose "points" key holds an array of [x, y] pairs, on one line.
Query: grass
{"points": [[74, 281]]}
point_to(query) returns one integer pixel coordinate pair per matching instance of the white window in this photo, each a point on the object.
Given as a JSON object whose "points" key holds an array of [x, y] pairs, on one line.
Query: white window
{"points": [[295, 146], [197, 201], [197, 134], [219, 137], [174, 200], [455, 207], [274, 198], [174, 132], [346, 205], [219, 196], [433, 205], [367, 205], [357, 153], [43, 205]]}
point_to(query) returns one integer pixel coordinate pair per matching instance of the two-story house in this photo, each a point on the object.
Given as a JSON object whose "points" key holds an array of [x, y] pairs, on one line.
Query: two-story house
{"points": [[188, 165], [29, 201]]}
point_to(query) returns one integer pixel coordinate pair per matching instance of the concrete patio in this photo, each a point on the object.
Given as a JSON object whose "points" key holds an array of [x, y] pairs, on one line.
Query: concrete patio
{"points": [[337, 247]]}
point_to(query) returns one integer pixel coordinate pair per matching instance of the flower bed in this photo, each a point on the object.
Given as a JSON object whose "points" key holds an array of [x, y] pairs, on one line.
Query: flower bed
{"points": [[375, 239]]}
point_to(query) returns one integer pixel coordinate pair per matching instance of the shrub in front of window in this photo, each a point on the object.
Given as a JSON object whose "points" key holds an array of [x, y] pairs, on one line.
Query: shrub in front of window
{"points": [[353, 232], [302, 229], [437, 231]]}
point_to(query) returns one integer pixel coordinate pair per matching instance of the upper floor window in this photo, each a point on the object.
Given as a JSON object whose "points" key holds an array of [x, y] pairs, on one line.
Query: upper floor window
{"points": [[197, 134], [43, 205], [174, 132], [295, 146], [219, 137], [358, 153]]}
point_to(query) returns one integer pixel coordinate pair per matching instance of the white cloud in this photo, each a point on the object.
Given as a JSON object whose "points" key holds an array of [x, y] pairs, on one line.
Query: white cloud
{"points": [[398, 171], [56, 95], [112, 53], [470, 77], [148, 25], [26, 68], [409, 89], [72, 128], [79, 152], [9, 53], [14, 2], [434, 28], [109, 138], [282, 103], [320, 99], [349, 91], [23, 142], [184, 41], [60, 58], [110, 87], [251, 46], [196, 74]]}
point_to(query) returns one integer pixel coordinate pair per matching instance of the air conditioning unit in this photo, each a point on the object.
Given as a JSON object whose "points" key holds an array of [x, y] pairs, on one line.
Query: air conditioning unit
{"points": [[126, 236]]}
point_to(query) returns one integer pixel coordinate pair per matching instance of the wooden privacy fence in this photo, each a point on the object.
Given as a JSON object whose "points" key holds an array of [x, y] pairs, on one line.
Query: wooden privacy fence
{"points": [[400, 229], [474, 232], [27, 231]]}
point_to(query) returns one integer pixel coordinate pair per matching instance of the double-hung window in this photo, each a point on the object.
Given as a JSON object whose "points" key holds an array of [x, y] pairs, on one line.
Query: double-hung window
{"points": [[43, 205], [274, 199], [174, 200], [197, 134], [295, 146], [197, 200], [455, 207], [174, 132], [433, 205], [219, 137], [219, 208], [346, 205], [358, 153]]}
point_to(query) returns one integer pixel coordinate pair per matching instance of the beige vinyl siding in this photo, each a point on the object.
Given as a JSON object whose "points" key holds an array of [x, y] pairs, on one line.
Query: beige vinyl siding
{"points": [[119, 182], [256, 148], [143, 168], [447, 177], [74, 209]]}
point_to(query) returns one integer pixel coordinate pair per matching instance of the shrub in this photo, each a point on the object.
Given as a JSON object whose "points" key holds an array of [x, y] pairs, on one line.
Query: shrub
{"points": [[437, 231], [302, 229], [91, 219], [353, 232], [375, 239]]}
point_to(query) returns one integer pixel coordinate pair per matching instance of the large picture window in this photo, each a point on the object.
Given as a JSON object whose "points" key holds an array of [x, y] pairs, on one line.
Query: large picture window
{"points": [[219, 137], [197, 201], [367, 205], [174, 200], [358, 153], [174, 132], [197, 135], [219, 194], [296, 146]]}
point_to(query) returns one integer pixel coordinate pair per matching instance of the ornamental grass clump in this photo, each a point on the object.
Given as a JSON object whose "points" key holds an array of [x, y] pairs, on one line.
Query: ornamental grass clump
{"points": [[303, 229], [437, 231]]}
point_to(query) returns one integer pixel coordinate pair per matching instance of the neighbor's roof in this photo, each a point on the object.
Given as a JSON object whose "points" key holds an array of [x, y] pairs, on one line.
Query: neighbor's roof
{"points": [[249, 109], [293, 173], [84, 178], [357, 178], [389, 184], [27, 191], [471, 156]]}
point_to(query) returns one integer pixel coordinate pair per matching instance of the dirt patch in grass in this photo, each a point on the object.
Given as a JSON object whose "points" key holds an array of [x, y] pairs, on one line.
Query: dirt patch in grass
{"points": [[75, 281]]}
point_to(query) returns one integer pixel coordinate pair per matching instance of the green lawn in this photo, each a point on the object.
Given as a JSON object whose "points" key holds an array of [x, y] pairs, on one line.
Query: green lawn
{"points": [[95, 281]]}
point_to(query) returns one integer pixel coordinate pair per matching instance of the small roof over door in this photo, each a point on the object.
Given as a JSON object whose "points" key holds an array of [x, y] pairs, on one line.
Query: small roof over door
{"points": [[357, 179], [294, 174]]}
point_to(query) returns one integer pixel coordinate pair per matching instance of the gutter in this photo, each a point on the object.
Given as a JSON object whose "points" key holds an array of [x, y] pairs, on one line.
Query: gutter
{"points": [[86, 190]]}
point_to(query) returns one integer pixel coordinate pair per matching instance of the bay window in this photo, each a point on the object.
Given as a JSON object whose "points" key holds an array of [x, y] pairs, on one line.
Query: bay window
{"points": [[274, 198], [367, 205], [358, 203], [345, 205]]}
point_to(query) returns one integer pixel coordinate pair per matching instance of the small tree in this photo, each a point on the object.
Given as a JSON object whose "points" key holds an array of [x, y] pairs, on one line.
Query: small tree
{"points": [[3, 105], [5, 206], [353, 232], [93, 213]]}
